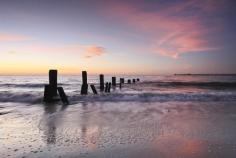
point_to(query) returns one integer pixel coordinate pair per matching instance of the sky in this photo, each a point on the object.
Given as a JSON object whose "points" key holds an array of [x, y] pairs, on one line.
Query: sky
{"points": [[149, 37]]}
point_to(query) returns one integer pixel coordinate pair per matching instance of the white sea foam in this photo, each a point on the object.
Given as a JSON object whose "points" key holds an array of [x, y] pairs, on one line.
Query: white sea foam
{"points": [[150, 89]]}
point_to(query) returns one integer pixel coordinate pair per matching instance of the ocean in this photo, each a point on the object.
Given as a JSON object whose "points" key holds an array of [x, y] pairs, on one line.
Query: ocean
{"points": [[160, 116]]}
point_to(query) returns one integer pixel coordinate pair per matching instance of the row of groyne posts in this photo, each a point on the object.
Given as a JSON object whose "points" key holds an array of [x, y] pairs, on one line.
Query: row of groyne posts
{"points": [[51, 89]]}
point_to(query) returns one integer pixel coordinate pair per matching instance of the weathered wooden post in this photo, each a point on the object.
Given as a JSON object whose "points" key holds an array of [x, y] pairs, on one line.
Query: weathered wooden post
{"points": [[101, 82], [93, 89], [107, 86], [50, 90], [129, 81], [53, 81], [133, 80], [62, 95], [84, 87], [113, 81], [48, 93], [122, 80]]}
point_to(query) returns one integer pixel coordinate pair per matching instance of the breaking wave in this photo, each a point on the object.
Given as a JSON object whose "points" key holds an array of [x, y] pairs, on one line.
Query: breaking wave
{"points": [[123, 97]]}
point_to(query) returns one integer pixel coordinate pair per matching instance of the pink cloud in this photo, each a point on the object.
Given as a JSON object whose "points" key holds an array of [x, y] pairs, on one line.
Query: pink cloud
{"points": [[92, 51], [172, 33], [4, 37]]}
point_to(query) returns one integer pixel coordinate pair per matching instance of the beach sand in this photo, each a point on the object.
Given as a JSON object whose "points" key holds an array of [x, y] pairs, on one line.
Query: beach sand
{"points": [[119, 129]]}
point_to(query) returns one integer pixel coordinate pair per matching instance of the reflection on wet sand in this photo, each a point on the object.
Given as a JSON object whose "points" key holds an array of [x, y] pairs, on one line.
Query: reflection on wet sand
{"points": [[89, 133], [130, 130], [51, 120], [177, 146], [86, 132]]}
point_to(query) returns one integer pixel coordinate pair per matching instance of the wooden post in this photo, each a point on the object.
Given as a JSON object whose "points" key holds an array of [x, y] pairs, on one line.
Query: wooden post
{"points": [[101, 82], [122, 80], [113, 81], [63, 96], [84, 77], [53, 81], [137, 79], [129, 81], [93, 89], [48, 93], [133, 80], [84, 87], [107, 86], [50, 90]]}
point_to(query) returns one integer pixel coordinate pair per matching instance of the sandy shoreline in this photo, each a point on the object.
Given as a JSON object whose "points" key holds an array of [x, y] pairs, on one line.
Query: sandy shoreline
{"points": [[125, 129]]}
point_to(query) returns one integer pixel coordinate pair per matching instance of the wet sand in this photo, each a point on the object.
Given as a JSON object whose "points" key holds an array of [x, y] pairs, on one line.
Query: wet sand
{"points": [[123, 129]]}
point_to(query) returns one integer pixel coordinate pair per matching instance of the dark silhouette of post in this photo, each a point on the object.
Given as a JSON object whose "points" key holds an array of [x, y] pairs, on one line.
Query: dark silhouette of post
{"points": [[137, 79], [129, 81], [50, 90], [53, 81], [101, 82], [84, 77], [48, 93], [122, 80], [113, 80], [63, 96], [133, 80], [107, 86], [93, 89], [84, 87]]}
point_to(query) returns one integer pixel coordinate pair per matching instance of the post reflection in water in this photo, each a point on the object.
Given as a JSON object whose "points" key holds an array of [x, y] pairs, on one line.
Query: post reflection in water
{"points": [[90, 132], [78, 127], [51, 119]]}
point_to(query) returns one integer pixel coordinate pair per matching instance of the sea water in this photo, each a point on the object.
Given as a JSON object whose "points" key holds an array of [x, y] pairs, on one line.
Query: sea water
{"points": [[160, 116]]}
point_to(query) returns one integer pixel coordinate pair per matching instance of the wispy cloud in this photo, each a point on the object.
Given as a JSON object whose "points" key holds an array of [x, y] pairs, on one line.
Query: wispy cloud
{"points": [[87, 51], [175, 29], [5, 37]]}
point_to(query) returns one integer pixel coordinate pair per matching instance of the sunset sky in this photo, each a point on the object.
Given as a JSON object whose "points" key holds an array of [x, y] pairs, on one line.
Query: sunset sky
{"points": [[117, 36]]}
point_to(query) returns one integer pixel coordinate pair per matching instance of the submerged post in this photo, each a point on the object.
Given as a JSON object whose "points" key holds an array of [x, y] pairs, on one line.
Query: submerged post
{"points": [[129, 81], [53, 81], [93, 89], [101, 82], [113, 81], [48, 93], [122, 80], [107, 86], [84, 87], [133, 80]]}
